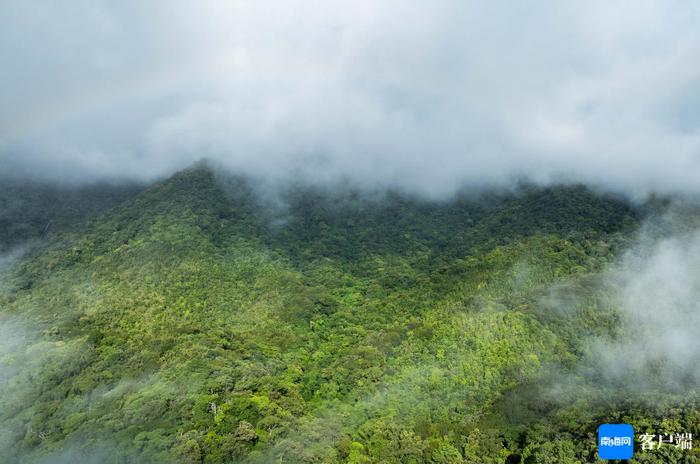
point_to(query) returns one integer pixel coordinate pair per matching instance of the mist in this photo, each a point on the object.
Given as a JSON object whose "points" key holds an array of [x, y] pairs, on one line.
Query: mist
{"points": [[423, 97], [658, 287], [646, 314]]}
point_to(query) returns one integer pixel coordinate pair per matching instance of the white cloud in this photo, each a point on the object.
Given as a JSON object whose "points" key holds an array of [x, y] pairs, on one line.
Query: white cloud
{"points": [[423, 95], [657, 287]]}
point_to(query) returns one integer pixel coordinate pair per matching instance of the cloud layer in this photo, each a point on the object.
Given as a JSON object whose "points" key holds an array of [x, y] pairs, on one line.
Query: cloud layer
{"points": [[421, 95]]}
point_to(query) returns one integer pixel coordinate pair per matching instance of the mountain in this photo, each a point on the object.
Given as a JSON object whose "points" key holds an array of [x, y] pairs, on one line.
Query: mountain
{"points": [[199, 320]]}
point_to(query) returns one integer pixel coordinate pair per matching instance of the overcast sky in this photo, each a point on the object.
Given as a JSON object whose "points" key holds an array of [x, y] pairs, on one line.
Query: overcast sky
{"points": [[424, 95]]}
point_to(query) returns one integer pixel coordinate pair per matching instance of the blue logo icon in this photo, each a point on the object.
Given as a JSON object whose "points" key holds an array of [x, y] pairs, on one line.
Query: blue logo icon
{"points": [[615, 441]]}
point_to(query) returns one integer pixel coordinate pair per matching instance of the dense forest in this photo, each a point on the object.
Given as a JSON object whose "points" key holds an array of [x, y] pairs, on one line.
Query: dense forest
{"points": [[199, 320]]}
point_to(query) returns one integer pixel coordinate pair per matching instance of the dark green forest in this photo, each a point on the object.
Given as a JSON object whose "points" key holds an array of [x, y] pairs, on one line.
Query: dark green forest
{"points": [[198, 320]]}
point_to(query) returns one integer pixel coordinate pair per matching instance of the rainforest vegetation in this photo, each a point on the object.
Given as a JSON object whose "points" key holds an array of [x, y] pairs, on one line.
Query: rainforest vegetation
{"points": [[200, 320]]}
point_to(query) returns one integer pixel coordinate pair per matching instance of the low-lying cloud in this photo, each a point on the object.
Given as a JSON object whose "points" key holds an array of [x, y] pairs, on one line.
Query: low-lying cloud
{"points": [[424, 96], [647, 316], [658, 287]]}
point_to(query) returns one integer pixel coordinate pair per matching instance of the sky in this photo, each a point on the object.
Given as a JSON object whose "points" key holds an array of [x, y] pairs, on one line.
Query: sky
{"points": [[426, 96]]}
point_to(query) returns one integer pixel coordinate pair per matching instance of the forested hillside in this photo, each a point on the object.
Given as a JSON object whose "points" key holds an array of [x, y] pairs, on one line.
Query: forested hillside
{"points": [[30, 209], [197, 321]]}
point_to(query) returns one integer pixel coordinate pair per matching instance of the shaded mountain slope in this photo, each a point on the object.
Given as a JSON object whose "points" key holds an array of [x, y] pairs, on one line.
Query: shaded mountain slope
{"points": [[30, 210]]}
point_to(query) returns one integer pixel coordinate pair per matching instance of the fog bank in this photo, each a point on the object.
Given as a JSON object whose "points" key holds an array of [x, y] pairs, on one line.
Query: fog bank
{"points": [[425, 97]]}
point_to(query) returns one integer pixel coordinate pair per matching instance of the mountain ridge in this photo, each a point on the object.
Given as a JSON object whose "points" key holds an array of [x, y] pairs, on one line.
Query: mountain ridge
{"points": [[189, 325]]}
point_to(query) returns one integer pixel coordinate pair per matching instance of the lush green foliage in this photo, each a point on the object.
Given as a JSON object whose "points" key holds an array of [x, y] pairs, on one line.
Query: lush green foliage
{"points": [[194, 323]]}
